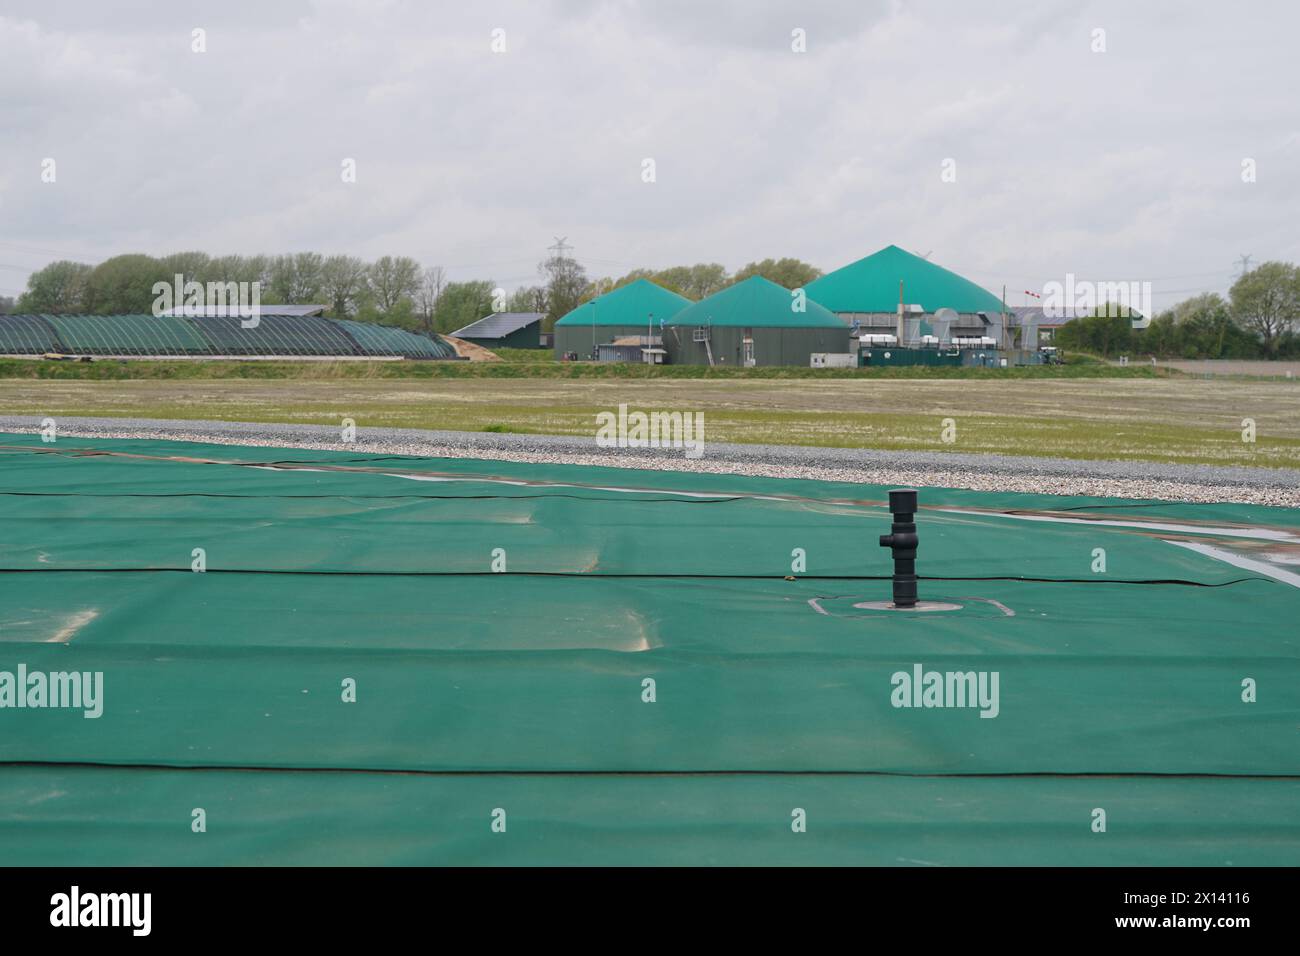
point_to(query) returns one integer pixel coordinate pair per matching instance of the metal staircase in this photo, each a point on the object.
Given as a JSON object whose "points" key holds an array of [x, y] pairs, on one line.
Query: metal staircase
{"points": [[703, 334]]}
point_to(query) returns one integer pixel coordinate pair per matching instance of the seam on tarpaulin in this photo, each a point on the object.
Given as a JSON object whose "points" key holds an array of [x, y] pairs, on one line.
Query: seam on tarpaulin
{"points": [[648, 575], [721, 499], [70, 451], [1146, 503], [253, 768]]}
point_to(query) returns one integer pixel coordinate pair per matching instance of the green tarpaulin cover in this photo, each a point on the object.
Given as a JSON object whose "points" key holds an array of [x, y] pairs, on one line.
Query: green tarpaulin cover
{"points": [[388, 659]]}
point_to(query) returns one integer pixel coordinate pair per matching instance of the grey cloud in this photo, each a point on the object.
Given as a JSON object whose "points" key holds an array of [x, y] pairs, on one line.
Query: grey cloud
{"points": [[1117, 165]]}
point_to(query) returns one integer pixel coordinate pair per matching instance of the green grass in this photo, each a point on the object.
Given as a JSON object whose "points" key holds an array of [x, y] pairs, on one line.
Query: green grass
{"points": [[122, 370], [530, 356], [1133, 418], [1083, 358]]}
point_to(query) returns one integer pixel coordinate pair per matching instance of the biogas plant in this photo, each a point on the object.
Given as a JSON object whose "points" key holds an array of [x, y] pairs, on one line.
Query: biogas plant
{"points": [[890, 308]]}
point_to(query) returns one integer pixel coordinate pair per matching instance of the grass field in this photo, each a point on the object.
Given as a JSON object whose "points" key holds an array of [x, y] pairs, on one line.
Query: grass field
{"points": [[524, 363], [1158, 419]]}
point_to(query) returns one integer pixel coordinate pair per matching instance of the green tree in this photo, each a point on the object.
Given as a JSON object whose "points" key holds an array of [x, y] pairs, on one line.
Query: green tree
{"points": [[1197, 328], [791, 273], [1108, 331], [566, 284], [392, 279], [308, 273], [527, 299], [1266, 301], [190, 266], [403, 315], [279, 280], [694, 282], [58, 288], [295, 279], [236, 269], [344, 281], [598, 287], [1161, 337], [1206, 329], [462, 303], [125, 284], [432, 281]]}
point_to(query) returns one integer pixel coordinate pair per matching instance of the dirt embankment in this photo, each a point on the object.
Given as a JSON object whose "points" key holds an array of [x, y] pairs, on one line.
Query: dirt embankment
{"points": [[475, 353]]}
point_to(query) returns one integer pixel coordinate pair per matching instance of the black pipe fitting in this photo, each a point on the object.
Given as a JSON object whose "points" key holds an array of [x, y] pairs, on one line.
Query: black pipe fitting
{"points": [[902, 541]]}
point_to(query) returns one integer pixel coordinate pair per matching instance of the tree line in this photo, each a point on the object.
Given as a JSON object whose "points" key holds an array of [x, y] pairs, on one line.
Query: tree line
{"points": [[1258, 320], [393, 290]]}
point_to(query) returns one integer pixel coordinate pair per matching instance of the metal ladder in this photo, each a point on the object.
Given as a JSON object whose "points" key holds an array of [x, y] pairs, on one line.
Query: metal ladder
{"points": [[703, 335]]}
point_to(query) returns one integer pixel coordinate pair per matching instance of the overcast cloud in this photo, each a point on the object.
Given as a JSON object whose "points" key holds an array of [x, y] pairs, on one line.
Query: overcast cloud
{"points": [[1125, 164]]}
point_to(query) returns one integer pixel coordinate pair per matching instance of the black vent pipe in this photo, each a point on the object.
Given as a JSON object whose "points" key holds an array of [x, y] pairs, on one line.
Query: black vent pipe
{"points": [[902, 541]]}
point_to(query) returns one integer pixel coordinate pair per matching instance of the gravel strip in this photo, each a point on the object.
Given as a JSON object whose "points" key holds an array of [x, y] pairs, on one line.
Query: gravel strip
{"points": [[1057, 476]]}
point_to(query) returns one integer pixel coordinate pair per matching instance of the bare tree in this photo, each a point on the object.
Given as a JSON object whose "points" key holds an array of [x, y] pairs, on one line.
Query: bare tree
{"points": [[343, 283], [307, 278], [566, 282], [527, 299], [190, 266], [392, 280], [432, 282]]}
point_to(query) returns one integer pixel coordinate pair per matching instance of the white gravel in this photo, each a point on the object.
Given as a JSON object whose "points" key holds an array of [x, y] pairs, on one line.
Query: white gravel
{"points": [[1056, 476]]}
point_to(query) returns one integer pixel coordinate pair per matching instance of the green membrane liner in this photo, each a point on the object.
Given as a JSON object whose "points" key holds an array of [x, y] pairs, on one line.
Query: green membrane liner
{"points": [[525, 689]]}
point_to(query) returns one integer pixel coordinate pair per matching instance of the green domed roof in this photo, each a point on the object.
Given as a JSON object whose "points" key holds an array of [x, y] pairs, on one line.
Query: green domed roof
{"points": [[756, 302], [630, 304], [871, 285]]}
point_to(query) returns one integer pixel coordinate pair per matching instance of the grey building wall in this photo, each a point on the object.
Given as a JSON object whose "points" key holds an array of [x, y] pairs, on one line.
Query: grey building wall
{"points": [[578, 338], [772, 346]]}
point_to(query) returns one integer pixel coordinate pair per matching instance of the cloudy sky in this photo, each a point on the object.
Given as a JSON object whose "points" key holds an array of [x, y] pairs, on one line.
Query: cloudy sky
{"points": [[1125, 164]]}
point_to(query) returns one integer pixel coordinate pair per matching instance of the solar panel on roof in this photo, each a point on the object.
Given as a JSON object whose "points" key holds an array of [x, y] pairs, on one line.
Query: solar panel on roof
{"points": [[498, 325]]}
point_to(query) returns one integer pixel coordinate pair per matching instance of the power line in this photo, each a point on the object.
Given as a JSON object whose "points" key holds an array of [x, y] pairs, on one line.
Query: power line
{"points": [[40, 251], [1015, 280]]}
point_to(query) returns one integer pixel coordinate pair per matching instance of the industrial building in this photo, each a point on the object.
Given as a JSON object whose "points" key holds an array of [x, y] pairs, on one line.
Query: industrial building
{"points": [[504, 330], [895, 297], [632, 348], [636, 309], [890, 308], [754, 322]]}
